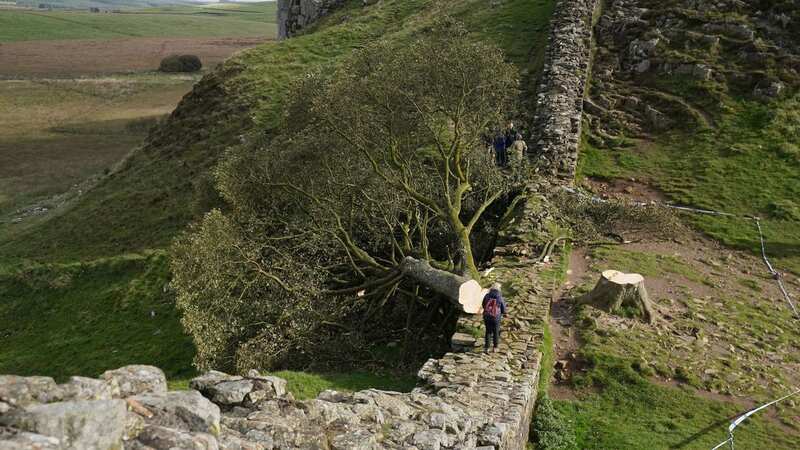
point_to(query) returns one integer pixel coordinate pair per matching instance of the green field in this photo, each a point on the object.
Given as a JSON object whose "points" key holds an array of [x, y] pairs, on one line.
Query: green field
{"points": [[178, 21]]}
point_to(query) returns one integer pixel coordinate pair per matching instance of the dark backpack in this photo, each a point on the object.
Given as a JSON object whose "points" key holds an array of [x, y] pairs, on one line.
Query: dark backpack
{"points": [[492, 308]]}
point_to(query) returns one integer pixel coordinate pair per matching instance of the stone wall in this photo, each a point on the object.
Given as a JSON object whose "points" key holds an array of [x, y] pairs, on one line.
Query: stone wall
{"points": [[559, 106], [294, 15]]}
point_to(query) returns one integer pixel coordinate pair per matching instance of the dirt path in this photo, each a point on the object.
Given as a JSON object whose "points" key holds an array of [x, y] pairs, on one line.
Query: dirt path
{"points": [[562, 316]]}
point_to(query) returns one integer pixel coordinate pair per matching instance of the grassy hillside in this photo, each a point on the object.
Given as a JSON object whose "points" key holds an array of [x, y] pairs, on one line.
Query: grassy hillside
{"points": [[84, 318], [690, 126], [179, 21], [166, 184], [104, 4], [721, 144], [58, 133]]}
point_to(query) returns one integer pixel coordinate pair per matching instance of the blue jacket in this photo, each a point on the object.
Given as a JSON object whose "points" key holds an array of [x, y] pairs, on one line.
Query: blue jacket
{"points": [[494, 293], [499, 143]]}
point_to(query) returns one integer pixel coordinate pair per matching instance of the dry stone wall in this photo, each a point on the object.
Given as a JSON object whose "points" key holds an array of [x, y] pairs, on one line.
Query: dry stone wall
{"points": [[559, 106]]}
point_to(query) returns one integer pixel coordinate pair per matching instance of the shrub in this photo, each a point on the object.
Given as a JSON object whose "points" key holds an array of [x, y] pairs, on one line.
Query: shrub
{"points": [[550, 429], [180, 63], [784, 210]]}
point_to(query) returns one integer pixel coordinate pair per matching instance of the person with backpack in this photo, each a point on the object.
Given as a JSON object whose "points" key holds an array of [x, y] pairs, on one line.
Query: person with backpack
{"points": [[494, 306]]}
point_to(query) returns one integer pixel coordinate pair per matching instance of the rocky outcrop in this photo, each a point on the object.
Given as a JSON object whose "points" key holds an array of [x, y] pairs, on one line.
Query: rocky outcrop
{"points": [[559, 105], [660, 67], [295, 15]]}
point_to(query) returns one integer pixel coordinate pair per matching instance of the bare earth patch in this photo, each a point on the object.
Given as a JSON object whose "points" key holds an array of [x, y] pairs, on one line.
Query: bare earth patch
{"points": [[630, 189], [91, 57]]}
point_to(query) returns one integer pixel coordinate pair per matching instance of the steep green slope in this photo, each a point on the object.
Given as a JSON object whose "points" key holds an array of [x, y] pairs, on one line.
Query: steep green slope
{"points": [[707, 112], [85, 318], [694, 103], [166, 184]]}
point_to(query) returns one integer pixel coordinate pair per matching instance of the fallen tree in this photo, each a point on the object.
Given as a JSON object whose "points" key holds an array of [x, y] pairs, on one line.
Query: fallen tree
{"points": [[371, 195]]}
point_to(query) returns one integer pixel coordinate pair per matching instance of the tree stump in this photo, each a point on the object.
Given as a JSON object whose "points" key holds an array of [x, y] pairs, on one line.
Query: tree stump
{"points": [[618, 291]]}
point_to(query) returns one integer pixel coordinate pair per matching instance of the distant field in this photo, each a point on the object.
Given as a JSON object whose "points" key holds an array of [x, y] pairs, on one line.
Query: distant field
{"points": [[254, 20], [79, 57], [54, 134]]}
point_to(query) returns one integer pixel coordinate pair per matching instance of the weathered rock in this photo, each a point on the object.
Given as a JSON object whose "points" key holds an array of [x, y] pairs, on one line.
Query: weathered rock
{"points": [[82, 388], [161, 438], [182, 410], [358, 440], [137, 379], [462, 342], [205, 382], [20, 440], [79, 425], [295, 15], [23, 391], [231, 392], [558, 120]]}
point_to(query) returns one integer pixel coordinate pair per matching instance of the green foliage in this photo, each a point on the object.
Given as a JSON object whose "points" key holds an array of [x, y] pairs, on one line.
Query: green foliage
{"points": [[84, 318], [784, 209], [180, 63], [381, 159], [551, 430], [231, 304]]}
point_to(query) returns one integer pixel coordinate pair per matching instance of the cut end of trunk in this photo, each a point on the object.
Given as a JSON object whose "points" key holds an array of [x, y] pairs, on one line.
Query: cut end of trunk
{"points": [[465, 293], [470, 296]]}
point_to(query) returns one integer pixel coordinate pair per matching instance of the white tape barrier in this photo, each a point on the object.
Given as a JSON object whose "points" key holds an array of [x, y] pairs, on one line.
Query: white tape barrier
{"points": [[746, 416], [775, 274]]}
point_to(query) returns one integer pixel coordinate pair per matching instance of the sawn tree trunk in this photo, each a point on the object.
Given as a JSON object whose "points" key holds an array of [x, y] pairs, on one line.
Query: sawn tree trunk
{"points": [[617, 291], [467, 294]]}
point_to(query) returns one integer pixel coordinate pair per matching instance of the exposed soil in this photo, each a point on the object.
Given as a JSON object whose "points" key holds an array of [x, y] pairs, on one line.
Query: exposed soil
{"points": [[630, 189], [81, 57], [562, 328]]}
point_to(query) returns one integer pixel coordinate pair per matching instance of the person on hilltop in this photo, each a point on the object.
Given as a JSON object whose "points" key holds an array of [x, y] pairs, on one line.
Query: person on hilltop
{"points": [[500, 149], [494, 306]]}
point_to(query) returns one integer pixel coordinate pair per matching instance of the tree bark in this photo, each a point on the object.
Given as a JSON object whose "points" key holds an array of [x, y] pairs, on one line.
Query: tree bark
{"points": [[465, 293], [616, 290]]}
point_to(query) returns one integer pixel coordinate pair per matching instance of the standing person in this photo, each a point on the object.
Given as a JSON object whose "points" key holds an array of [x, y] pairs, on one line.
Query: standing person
{"points": [[493, 309], [511, 134], [500, 149], [520, 146]]}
